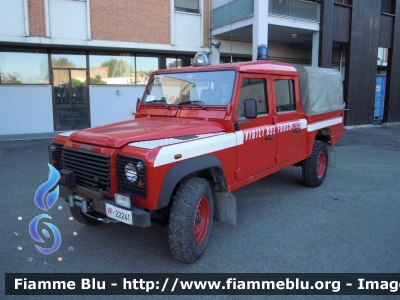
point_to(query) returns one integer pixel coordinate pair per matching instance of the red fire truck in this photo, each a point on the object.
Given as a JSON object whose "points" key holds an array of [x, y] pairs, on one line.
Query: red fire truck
{"points": [[200, 133]]}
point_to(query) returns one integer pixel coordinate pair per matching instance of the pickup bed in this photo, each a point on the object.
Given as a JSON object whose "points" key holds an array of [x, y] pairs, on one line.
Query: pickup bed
{"points": [[200, 133]]}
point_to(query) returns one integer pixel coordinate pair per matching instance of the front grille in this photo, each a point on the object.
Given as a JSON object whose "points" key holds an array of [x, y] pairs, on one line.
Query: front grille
{"points": [[92, 170], [55, 151], [137, 188]]}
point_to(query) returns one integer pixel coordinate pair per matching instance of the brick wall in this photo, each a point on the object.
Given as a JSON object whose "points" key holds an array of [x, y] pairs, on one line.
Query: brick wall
{"points": [[143, 21], [37, 24]]}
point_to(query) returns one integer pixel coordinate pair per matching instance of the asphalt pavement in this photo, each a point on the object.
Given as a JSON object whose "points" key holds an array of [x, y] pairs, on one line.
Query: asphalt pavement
{"points": [[350, 224]]}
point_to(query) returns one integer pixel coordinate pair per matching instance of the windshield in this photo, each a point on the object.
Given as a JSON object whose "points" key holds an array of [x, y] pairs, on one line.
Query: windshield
{"points": [[208, 88]]}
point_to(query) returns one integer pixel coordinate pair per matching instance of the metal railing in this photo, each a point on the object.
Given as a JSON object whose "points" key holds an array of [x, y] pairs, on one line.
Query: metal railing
{"points": [[242, 9], [232, 12], [295, 9]]}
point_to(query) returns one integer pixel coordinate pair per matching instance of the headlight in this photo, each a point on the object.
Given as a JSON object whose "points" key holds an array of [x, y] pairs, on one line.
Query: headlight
{"points": [[131, 176], [140, 166], [130, 173]]}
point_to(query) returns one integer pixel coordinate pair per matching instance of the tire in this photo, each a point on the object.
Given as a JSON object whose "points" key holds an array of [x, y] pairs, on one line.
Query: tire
{"points": [[82, 218], [191, 220], [316, 165]]}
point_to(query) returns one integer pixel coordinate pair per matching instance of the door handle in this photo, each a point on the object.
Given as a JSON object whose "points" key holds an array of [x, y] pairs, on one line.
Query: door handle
{"points": [[270, 138], [296, 130]]}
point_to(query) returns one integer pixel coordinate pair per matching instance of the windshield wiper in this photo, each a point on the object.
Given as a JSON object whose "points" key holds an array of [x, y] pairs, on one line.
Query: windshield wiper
{"points": [[195, 102], [162, 101]]}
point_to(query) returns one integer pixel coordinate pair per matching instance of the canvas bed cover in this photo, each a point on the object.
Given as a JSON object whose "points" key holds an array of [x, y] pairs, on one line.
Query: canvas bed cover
{"points": [[321, 90]]}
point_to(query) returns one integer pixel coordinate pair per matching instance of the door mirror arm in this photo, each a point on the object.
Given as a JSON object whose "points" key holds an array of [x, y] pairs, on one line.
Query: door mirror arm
{"points": [[137, 104]]}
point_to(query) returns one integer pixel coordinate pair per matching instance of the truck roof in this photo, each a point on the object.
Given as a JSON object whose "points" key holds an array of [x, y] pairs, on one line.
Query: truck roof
{"points": [[260, 66]]}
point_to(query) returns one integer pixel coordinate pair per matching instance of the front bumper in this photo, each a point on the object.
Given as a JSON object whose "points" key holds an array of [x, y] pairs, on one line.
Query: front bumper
{"points": [[89, 200]]}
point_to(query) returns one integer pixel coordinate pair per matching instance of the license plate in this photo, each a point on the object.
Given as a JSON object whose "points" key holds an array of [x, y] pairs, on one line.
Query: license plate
{"points": [[119, 214]]}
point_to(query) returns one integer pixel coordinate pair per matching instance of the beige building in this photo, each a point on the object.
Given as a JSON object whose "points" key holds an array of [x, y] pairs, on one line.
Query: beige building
{"points": [[83, 63]]}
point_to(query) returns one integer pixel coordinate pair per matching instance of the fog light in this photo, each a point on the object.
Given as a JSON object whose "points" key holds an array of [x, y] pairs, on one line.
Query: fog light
{"points": [[122, 200]]}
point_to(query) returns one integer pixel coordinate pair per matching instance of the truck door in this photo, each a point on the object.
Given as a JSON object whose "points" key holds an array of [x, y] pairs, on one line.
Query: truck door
{"points": [[289, 121], [257, 153]]}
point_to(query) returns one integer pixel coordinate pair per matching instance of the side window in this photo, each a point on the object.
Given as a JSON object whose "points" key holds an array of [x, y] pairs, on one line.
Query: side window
{"points": [[285, 98], [253, 88]]}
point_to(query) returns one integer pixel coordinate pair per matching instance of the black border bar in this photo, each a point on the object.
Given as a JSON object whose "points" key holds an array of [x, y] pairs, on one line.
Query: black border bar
{"points": [[202, 284]]}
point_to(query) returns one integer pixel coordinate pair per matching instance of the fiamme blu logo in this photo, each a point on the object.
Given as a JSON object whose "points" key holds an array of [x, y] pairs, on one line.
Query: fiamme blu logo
{"points": [[45, 203]]}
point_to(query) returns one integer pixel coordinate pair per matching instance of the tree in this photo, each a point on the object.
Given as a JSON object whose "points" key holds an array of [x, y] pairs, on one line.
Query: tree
{"points": [[97, 80], [62, 62], [9, 79], [77, 82], [117, 68]]}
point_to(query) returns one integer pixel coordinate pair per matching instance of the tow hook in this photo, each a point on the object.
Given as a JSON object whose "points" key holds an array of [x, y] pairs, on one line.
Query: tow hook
{"points": [[105, 220], [86, 205]]}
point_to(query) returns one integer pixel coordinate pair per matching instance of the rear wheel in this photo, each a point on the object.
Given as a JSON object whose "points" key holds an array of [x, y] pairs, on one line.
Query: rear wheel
{"points": [[191, 220], [316, 165]]}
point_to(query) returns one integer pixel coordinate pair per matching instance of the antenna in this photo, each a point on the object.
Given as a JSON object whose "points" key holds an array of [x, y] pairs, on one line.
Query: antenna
{"points": [[230, 20]]}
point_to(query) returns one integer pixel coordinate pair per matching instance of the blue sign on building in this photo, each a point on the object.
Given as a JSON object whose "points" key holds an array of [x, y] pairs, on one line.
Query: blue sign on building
{"points": [[380, 96]]}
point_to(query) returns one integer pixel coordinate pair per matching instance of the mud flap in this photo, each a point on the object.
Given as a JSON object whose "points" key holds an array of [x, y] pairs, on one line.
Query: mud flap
{"points": [[331, 156], [225, 210]]}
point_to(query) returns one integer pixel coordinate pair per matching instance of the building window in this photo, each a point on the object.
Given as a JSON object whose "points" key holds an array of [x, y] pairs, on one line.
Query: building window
{"points": [[189, 6], [345, 2], [387, 6], [184, 61], [130, 69], [144, 67], [112, 69], [284, 93], [73, 61], [170, 62], [24, 68]]}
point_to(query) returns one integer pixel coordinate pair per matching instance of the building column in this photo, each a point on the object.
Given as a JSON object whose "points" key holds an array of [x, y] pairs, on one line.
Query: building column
{"points": [[47, 17], [362, 61], [326, 36], [26, 17], [215, 55], [260, 25], [89, 30], [315, 49], [392, 103], [172, 22]]}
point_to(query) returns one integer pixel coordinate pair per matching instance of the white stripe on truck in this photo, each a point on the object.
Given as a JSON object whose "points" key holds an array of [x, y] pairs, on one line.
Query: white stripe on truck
{"points": [[323, 124], [197, 148]]}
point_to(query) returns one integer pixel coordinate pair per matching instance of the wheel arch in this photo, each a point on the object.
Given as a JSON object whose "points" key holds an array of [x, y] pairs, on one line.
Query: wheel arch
{"points": [[324, 135], [208, 167]]}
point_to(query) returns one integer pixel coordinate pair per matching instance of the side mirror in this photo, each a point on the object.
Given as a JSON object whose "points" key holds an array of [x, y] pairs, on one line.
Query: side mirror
{"points": [[137, 104], [250, 108]]}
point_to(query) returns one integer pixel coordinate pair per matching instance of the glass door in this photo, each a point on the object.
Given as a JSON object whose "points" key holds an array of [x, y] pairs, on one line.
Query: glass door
{"points": [[71, 105]]}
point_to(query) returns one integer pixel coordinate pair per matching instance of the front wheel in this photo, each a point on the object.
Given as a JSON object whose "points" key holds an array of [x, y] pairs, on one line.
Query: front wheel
{"points": [[191, 220], [316, 165]]}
